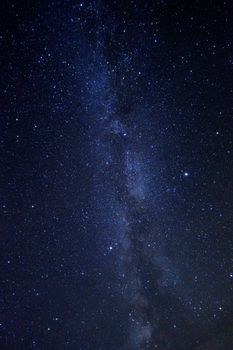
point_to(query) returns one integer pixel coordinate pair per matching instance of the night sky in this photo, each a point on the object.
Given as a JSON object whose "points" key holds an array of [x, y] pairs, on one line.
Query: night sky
{"points": [[116, 182]]}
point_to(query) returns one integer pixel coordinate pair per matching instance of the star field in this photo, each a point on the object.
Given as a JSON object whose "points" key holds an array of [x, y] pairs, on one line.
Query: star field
{"points": [[116, 175]]}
